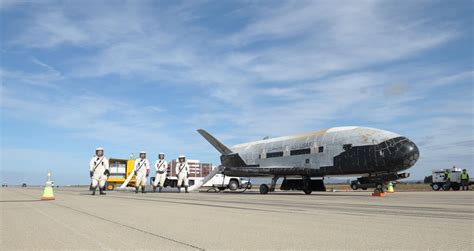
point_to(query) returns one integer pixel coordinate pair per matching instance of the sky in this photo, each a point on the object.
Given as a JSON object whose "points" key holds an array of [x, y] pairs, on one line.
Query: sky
{"points": [[144, 75]]}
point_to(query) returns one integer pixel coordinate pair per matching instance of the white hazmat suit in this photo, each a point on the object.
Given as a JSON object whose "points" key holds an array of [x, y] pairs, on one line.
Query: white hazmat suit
{"points": [[182, 171], [97, 167], [161, 167], [142, 168]]}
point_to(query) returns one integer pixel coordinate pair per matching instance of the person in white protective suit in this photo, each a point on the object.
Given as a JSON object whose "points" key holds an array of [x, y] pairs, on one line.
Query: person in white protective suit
{"points": [[99, 170], [182, 172], [161, 167], [141, 171]]}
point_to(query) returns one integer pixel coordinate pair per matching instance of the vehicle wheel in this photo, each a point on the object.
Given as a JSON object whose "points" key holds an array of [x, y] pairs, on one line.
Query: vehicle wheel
{"points": [[435, 186], [233, 185], [249, 186], [354, 186], [445, 187], [307, 190], [110, 187], [456, 187], [365, 188], [264, 189]]}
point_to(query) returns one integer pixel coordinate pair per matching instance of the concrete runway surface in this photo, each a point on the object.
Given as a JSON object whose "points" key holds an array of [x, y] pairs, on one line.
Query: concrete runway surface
{"points": [[230, 221]]}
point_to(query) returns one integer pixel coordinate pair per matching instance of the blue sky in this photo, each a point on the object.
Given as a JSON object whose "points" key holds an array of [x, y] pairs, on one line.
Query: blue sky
{"points": [[133, 75]]}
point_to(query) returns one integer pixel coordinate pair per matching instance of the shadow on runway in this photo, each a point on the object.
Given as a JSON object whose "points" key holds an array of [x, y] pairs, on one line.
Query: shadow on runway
{"points": [[326, 194]]}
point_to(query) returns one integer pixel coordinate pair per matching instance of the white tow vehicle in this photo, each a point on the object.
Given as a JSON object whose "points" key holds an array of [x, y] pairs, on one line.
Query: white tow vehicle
{"points": [[439, 179], [222, 182]]}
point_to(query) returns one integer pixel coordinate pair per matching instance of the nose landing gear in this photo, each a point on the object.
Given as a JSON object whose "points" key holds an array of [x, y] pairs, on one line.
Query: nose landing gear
{"points": [[264, 189]]}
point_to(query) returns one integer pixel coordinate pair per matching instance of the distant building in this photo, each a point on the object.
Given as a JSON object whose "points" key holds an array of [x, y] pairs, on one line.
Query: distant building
{"points": [[196, 169]]}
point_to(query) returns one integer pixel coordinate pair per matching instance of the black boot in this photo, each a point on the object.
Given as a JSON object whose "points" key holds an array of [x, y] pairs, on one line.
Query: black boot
{"points": [[136, 189], [159, 189], [179, 189], [143, 189], [101, 190], [154, 189], [186, 189], [93, 190]]}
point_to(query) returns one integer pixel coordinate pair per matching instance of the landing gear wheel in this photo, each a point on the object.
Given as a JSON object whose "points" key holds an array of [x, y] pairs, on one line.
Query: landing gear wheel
{"points": [[436, 187], [233, 185], [354, 186], [307, 190], [264, 189], [110, 187], [380, 187]]}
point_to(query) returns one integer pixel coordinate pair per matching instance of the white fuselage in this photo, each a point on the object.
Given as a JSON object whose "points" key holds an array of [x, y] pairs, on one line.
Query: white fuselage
{"points": [[315, 149]]}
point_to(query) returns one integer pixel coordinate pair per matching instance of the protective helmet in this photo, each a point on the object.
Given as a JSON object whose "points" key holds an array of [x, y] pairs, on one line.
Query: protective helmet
{"points": [[99, 150], [181, 158], [161, 155], [143, 153]]}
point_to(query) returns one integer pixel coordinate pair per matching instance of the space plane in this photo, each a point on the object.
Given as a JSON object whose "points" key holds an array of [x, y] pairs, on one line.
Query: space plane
{"points": [[303, 160]]}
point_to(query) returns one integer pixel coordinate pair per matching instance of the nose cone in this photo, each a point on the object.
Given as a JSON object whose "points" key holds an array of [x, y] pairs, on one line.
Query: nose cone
{"points": [[400, 154], [410, 153], [404, 153]]}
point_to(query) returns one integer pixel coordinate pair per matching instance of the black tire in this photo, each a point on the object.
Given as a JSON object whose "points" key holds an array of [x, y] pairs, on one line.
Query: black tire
{"points": [[456, 187], [435, 187], [365, 188], [173, 183], [307, 190], [264, 189], [445, 187], [354, 186], [233, 185], [110, 186]]}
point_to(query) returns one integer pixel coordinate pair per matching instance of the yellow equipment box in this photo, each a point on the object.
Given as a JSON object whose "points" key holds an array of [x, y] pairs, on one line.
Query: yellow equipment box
{"points": [[120, 169]]}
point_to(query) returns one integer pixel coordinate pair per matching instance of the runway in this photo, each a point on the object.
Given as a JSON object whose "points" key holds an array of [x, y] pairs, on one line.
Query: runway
{"points": [[230, 221]]}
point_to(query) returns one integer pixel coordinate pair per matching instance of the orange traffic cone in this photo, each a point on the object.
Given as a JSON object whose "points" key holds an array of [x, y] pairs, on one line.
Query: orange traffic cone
{"points": [[48, 189]]}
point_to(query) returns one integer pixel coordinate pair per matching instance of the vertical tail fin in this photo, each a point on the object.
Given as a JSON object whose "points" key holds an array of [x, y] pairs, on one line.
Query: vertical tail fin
{"points": [[228, 158], [214, 142]]}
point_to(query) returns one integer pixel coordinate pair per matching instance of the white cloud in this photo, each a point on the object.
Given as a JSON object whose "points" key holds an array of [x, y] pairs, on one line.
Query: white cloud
{"points": [[48, 78]]}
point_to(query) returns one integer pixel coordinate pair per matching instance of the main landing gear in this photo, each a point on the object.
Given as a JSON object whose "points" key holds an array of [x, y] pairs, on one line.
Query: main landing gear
{"points": [[307, 189], [264, 189], [305, 184], [380, 187]]}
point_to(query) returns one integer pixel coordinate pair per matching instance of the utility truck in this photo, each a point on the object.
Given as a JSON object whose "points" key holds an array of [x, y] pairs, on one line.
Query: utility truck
{"points": [[440, 180], [222, 182]]}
